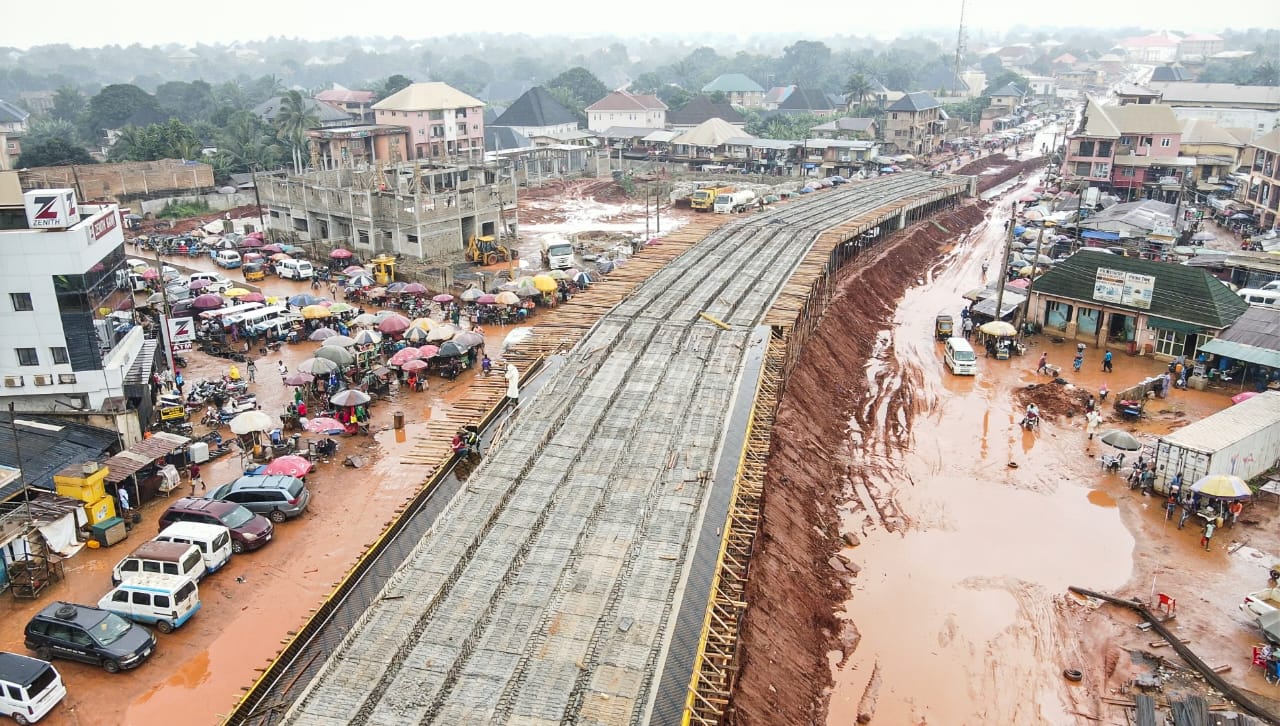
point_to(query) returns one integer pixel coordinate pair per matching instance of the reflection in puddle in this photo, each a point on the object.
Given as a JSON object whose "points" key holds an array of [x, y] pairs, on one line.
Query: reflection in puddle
{"points": [[1101, 498]]}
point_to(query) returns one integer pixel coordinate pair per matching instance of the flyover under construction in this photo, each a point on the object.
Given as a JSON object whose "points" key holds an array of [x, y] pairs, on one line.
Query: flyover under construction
{"points": [[568, 577]]}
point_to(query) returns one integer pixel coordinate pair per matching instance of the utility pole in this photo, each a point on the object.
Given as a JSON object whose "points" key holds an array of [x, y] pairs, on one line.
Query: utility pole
{"points": [[164, 316], [959, 50], [1004, 267], [257, 198], [22, 477]]}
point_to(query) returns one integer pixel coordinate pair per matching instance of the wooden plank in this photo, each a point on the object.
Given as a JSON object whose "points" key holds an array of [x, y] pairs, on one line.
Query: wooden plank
{"points": [[1145, 714]]}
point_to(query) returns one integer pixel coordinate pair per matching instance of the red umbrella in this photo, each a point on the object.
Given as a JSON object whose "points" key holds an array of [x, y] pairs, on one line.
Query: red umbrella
{"points": [[1021, 282], [340, 254], [207, 302], [289, 466], [253, 297], [443, 298], [298, 378], [251, 241], [414, 288], [428, 351], [416, 364], [198, 284], [325, 426], [486, 300], [272, 249], [394, 324], [404, 355], [256, 234]]}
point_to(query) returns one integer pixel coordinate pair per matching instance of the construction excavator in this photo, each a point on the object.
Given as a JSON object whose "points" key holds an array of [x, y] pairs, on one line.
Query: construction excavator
{"points": [[488, 251]]}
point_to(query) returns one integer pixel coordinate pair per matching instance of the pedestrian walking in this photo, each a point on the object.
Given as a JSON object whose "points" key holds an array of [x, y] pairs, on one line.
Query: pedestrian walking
{"points": [[1170, 506], [967, 327], [284, 370], [1205, 538], [253, 370], [1233, 513], [178, 381], [1186, 512], [123, 495], [1106, 362], [333, 291], [1043, 366], [985, 265], [1093, 420], [194, 474]]}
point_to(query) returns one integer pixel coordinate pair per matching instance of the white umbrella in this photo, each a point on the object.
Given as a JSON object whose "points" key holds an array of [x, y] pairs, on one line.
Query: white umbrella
{"points": [[250, 421]]}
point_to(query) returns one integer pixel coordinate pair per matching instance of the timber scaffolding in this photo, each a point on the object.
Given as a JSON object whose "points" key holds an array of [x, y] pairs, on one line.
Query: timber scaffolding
{"points": [[791, 320], [544, 590]]}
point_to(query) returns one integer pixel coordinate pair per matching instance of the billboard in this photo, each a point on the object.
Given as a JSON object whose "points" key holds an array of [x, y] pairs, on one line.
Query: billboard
{"points": [[1123, 288], [51, 208]]}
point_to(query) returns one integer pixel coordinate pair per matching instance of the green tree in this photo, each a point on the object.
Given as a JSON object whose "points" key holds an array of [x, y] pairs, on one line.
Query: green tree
{"points": [[581, 85], [50, 129], [858, 86], [805, 62], [248, 143], [718, 97], [119, 105], [192, 101], [68, 104], [393, 84], [170, 140], [291, 124], [674, 96], [52, 152], [1005, 78], [1266, 73]]}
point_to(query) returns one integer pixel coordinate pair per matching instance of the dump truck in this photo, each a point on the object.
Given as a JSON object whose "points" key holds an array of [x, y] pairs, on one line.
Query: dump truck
{"points": [[734, 202], [557, 252], [703, 199]]}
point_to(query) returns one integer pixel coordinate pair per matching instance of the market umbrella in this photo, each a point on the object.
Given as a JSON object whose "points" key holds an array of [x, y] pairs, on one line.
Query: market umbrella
{"points": [[395, 287], [394, 324], [544, 283], [383, 315], [150, 273], [324, 425], [404, 355], [528, 292], [451, 350], [1122, 440], [340, 254], [506, 297], [424, 323], [339, 308], [251, 242], [1030, 271], [318, 366], [583, 279], [361, 279], [207, 302], [1222, 486], [1242, 397], [198, 284], [272, 249], [443, 298], [558, 275], [315, 312], [998, 328], [302, 299], [365, 319], [376, 292], [341, 356], [471, 294], [368, 337], [416, 335], [236, 292], [428, 351], [350, 397], [338, 341], [280, 256], [250, 421], [416, 364], [1021, 283], [525, 282], [414, 288], [298, 378], [469, 338], [355, 270], [320, 334], [291, 465], [253, 297], [441, 333], [486, 299]]}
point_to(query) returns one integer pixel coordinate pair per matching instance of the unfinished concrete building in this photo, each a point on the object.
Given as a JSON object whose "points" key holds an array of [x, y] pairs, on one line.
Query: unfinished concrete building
{"points": [[419, 209]]}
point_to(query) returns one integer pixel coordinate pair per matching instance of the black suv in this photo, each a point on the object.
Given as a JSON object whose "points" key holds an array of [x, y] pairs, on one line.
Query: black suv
{"points": [[89, 635]]}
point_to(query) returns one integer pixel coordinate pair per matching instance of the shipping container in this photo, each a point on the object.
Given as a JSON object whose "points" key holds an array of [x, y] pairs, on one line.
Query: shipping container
{"points": [[1243, 440]]}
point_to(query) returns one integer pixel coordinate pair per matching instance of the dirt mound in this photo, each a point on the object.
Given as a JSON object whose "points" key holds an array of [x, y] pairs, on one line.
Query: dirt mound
{"points": [[1053, 399], [978, 166], [791, 624], [181, 226], [985, 182]]}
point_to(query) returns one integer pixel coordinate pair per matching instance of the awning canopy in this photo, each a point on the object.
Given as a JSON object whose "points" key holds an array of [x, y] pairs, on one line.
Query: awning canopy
{"points": [[1008, 304], [127, 463], [1240, 351], [1100, 234], [1176, 326]]}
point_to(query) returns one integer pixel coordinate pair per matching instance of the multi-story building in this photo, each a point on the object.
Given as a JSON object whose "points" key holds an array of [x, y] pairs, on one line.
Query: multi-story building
{"points": [[913, 123], [443, 122], [1263, 190], [537, 113], [357, 104], [1091, 147], [1217, 152], [738, 89], [1199, 46], [630, 110], [1132, 149], [64, 348]]}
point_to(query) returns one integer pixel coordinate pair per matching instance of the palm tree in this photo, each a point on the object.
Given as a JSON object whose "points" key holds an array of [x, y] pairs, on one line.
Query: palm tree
{"points": [[858, 86], [130, 144], [291, 123], [248, 143]]}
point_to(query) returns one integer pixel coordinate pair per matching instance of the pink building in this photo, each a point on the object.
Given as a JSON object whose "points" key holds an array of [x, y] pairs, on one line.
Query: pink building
{"points": [[1133, 149], [444, 123]]}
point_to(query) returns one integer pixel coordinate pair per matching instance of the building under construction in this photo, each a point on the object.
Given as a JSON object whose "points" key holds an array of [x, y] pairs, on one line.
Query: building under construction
{"points": [[419, 209]]}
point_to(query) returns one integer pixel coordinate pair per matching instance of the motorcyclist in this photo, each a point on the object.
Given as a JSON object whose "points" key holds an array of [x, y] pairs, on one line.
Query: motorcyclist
{"points": [[1032, 417], [459, 443]]}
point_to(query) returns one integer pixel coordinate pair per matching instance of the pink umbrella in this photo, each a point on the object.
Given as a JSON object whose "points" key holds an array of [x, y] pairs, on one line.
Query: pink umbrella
{"points": [[428, 351], [126, 304], [253, 297], [353, 270], [414, 288], [486, 300], [394, 324], [340, 254], [404, 355], [272, 249], [416, 364], [1242, 397], [198, 284], [325, 426], [256, 234], [251, 241], [289, 466], [298, 378], [207, 302], [150, 273], [1021, 282], [443, 298]]}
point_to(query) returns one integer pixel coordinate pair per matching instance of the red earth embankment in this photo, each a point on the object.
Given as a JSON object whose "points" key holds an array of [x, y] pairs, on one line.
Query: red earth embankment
{"points": [[794, 588]]}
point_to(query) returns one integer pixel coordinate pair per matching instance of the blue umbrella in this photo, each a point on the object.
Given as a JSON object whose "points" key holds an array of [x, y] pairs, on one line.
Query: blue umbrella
{"points": [[301, 300], [1018, 230]]}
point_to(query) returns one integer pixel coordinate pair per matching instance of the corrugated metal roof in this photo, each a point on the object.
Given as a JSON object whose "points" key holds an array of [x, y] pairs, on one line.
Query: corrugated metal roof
{"points": [[433, 96], [1230, 425], [48, 445], [123, 465]]}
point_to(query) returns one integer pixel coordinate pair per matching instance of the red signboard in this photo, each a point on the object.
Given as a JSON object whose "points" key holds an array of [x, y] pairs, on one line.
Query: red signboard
{"points": [[104, 225]]}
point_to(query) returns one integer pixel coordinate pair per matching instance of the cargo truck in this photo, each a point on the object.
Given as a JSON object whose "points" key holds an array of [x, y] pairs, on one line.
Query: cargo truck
{"points": [[704, 199], [1243, 440], [733, 202], [557, 253]]}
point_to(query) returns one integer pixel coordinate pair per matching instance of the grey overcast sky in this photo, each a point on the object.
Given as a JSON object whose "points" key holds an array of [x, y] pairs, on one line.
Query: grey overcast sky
{"points": [[153, 22]]}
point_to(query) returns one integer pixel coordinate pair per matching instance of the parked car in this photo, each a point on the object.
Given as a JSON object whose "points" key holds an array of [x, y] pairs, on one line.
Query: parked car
{"points": [[89, 635], [275, 497], [248, 530], [29, 688], [165, 601], [218, 283]]}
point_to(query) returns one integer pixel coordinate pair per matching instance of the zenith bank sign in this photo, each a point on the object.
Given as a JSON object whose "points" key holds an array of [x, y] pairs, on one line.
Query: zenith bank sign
{"points": [[51, 208], [104, 225]]}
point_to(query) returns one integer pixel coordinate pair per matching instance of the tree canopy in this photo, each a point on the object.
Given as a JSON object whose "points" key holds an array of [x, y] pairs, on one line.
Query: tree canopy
{"points": [[53, 152]]}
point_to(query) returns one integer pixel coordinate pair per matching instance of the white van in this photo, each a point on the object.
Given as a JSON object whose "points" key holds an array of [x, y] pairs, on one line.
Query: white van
{"points": [[959, 357], [278, 326], [217, 281], [1263, 298], [229, 259], [255, 316], [29, 688], [165, 601], [213, 541], [160, 558], [294, 270]]}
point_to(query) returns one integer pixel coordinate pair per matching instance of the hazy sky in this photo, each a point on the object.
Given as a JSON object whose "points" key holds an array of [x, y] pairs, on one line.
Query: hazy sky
{"points": [[152, 22]]}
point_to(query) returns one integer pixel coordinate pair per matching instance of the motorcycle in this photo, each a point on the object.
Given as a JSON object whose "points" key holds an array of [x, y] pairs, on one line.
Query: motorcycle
{"points": [[179, 361], [1031, 423]]}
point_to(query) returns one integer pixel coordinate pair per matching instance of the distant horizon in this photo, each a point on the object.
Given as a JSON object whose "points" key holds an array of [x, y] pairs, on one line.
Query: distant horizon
{"points": [[284, 21]]}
